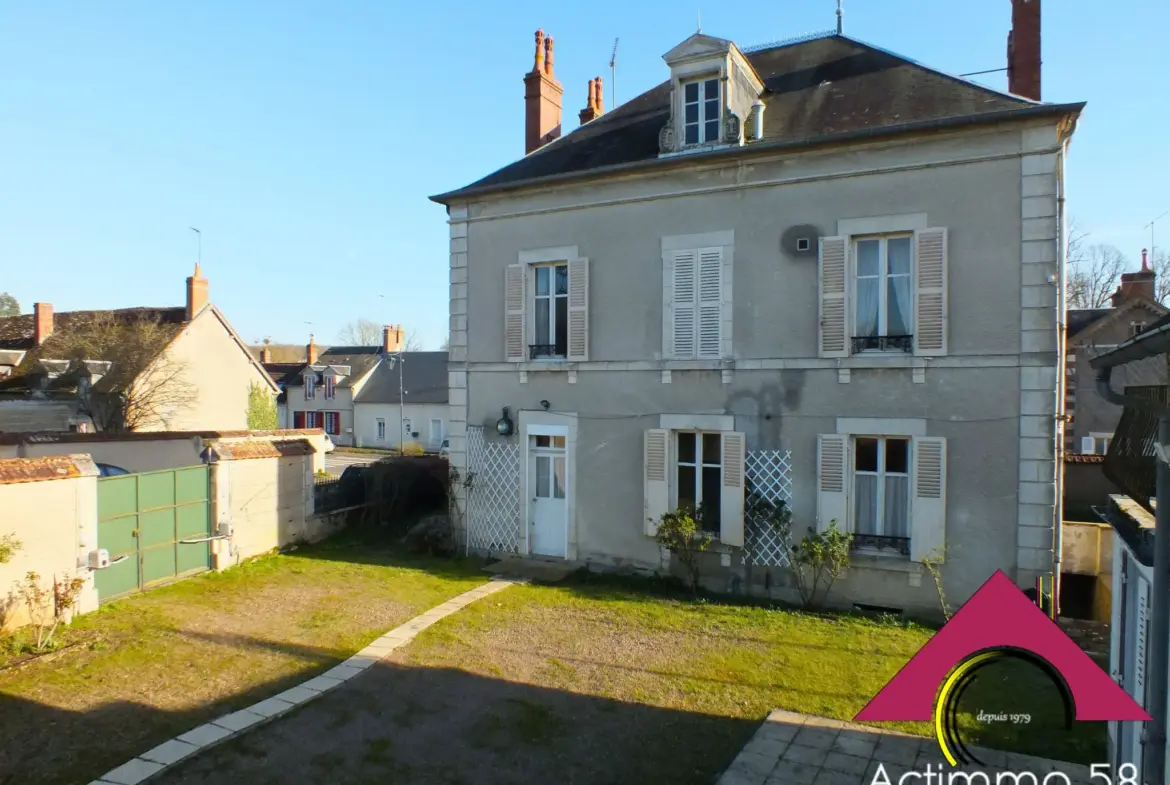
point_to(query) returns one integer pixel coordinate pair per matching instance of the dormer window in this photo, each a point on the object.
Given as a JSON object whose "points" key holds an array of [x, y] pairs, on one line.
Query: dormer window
{"points": [[330, 386], [701, 112], [310, 386]]}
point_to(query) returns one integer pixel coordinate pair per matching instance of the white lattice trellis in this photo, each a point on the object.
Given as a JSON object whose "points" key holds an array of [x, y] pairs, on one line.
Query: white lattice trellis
{"points": [[769, 476], [493, 495]]}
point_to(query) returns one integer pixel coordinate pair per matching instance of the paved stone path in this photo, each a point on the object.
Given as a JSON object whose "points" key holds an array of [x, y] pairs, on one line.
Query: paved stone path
{"points": [[229, 726], [796, 749]]}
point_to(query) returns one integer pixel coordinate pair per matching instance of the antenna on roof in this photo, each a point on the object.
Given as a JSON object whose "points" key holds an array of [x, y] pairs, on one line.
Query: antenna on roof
{"points": [[199, 247], [840, 14], [613, 73], [699, 20]]}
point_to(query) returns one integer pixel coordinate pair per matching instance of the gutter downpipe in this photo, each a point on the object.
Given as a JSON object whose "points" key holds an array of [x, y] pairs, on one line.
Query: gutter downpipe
{"points": [[1062, 379], [1153, 770]]}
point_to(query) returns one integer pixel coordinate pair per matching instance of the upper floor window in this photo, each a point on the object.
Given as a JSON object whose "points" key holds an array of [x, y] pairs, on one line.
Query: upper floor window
{"points": [[330, 386], [702, 108], [884, 292], [550, 311], [1136, 328], [310, 386]]}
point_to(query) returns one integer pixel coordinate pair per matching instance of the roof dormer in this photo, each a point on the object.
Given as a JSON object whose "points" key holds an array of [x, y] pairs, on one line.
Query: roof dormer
{"points": [[714, 90]]}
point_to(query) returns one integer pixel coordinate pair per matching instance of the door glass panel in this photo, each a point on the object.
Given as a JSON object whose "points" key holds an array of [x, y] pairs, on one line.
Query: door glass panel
{"points": [[686, 487], [542, 282], [542, 477], [558, 442], [711, 449], [558, 478], [686, 448]]}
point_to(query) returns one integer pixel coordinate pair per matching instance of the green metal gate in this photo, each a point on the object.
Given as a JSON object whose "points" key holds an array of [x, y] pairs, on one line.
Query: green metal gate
{"points": [[155, 526]]}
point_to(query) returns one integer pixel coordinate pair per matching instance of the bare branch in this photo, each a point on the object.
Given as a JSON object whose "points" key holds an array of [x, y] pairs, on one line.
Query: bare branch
{"points": [[1093, 276], [1160, 264], [362, 332]]}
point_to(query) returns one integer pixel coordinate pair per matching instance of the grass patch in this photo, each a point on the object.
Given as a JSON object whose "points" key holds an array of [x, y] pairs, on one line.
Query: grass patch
{"points": [[157, 664], [628, 642]]}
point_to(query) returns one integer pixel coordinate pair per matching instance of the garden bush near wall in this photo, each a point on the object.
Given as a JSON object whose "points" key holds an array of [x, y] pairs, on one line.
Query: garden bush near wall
{"points": [[399, 490]]}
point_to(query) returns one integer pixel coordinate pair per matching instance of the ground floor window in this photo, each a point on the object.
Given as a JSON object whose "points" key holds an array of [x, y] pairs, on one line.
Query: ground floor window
{"points": [[698, 476], [881, 493], [308, 420], [332, 422], [381, 429]]}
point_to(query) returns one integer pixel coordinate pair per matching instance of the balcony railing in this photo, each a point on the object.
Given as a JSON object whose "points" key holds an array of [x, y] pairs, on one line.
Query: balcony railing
{"points": [[883, 343], [877, 542], [542, 351]]}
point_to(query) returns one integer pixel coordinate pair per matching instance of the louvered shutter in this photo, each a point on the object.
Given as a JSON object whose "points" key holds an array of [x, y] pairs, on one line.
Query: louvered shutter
{"points": [[928, 504], [578, 310], [731, 498], [514, 328], [832, 467], [710, 286], [682, 303], [298, 419], [656, 468], [930, 301], [833, 312], [1141, 641]]}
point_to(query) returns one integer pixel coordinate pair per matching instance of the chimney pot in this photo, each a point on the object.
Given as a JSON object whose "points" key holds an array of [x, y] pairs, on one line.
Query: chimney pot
{"points": [[43, 322], [542, 98], [1145, 261], [265, 355], [392, 338], [196, 293], [1023, 50]]}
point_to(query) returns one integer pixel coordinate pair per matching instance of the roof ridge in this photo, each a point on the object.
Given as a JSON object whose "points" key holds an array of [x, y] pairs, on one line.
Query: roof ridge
{"points": [[782, 42]]}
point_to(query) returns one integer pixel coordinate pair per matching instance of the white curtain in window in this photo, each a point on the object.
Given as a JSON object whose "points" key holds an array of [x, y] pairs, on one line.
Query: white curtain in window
{"points": [[865, 488], [868, 295], [897, 512]]}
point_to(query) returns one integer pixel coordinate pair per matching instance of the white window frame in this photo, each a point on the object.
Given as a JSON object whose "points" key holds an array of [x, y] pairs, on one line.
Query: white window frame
{"points": [[703, 99], [881, 474], [1136, 328], [330, 387], [310, 386], [699, 464], [332, 416], [380, 429], [311, 420], [1101, 440], [549, 301], [407, 429], [883, 277]]}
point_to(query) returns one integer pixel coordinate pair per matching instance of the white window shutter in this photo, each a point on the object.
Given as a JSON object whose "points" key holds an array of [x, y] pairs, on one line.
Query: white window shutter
{"points": [[832, 481], [930, 299], [928, 503], [514, 327], [1141, 641], [833, 312], [710, 286], [731, 498], [578, 310], [1088, 445], [656, 468], [684, 266]]}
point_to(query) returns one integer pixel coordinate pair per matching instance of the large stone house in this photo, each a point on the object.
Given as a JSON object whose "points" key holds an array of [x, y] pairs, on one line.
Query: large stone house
{"points": [[815, 272], [181, 368]]}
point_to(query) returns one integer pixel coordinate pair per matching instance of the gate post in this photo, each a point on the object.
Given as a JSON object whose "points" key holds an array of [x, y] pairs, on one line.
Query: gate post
{"points": [[219, 474]]}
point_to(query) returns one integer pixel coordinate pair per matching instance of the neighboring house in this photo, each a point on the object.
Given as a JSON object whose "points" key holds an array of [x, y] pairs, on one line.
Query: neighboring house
{"points": [[353, 393], [815, 272], [280, 372], [414, 395], [1091, 420], [202, 368]]}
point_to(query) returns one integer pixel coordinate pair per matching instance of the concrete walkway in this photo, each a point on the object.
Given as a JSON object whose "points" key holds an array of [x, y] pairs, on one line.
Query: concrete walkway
{"points": [[229, 726], [796, 749]]}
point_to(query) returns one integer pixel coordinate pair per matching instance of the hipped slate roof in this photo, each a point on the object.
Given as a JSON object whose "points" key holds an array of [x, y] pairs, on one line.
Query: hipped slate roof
{"points": [[359, 360], [424, 380], [821, 90]]}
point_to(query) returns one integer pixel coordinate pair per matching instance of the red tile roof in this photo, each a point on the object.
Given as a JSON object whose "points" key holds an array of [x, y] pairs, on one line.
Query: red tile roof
{"points": [[56, 467]]}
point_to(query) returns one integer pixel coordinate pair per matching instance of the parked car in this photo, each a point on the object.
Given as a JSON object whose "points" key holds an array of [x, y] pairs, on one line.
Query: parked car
{"points": [[109, 470]]}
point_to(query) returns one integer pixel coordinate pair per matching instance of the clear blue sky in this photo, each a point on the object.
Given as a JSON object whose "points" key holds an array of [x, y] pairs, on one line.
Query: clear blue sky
{"points": [[303, 138]]}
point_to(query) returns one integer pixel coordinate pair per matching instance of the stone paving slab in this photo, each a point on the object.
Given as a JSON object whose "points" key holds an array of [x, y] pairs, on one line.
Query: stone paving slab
{"points": [[231, 725], [799, 749]]}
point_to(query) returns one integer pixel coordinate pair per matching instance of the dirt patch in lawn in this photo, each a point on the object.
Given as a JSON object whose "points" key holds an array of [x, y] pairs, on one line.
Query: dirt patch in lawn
{"points": [[152, 666]]}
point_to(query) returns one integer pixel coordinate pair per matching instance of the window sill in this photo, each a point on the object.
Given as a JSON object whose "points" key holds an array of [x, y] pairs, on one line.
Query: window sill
{"points": [[877, 560]]}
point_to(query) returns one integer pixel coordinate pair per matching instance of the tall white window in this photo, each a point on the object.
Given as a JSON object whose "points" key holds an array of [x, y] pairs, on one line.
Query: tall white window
{"points": [[884, 315], [380, 429], [701, 111], [881, 493], [310, 386], [550, 311], [330, 386], [698, 476]]}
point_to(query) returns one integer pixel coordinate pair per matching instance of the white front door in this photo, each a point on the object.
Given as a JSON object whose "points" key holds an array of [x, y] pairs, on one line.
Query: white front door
{"points": [[548, 496], [436, 432]]}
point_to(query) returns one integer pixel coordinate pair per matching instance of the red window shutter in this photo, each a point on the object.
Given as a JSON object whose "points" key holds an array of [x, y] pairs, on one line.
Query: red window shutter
{"points": [[298, 419]]}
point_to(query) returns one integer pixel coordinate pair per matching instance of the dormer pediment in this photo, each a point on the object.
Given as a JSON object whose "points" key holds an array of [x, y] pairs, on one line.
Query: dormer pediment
{"points": [[698, 46]]}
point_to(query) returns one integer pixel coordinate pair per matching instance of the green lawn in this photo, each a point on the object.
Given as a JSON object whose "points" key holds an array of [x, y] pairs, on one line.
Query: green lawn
{"points": [[610, 639], [144, 669]]}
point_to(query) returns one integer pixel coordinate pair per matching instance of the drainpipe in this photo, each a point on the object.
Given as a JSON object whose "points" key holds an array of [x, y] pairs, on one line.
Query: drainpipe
{"points": [[1062, 359], [1154, 743]]}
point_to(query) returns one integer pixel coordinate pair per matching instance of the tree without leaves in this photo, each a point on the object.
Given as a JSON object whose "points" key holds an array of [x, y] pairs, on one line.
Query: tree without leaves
{"points": [[1093, 275], [366, 332], [1160, 264], [8, 305], [144, 387]]}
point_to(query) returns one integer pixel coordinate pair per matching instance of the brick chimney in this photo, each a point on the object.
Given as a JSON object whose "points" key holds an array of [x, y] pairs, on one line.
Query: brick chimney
{"points": [[42, 322], [542, 98], [1139, 284], [196, 293], [1023, 50], [265, 355], [311, 351], [393, 338], [594, 108]]}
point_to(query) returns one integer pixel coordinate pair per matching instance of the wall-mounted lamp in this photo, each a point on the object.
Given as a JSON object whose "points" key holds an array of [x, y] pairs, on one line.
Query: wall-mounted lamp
{"points": [[504, 424], [544, 405]]}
